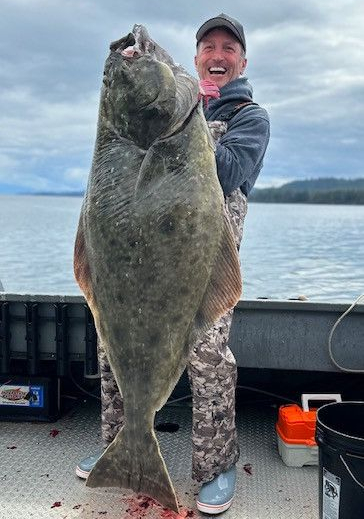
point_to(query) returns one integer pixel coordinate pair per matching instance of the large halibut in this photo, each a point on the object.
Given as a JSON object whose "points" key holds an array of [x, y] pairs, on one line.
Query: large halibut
{"points": [[154, 253]]}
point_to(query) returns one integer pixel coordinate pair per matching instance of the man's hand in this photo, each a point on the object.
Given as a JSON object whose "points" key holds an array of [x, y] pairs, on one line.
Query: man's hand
{"points": [[208, 90]]}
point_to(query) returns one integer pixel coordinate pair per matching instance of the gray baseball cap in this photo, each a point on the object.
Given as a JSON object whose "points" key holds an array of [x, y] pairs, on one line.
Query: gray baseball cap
{"points": [[225, 21]]}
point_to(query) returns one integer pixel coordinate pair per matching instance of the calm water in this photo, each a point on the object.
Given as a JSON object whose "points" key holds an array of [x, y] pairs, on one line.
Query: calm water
{"points": [[288, 250]]}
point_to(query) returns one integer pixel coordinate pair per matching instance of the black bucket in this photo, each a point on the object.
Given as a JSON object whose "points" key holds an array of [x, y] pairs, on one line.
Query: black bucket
{"points": [[340, 437]]}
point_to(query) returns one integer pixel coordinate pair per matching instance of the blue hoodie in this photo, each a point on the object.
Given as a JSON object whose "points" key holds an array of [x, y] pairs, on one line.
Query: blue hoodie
{"points": [[240, 151]]}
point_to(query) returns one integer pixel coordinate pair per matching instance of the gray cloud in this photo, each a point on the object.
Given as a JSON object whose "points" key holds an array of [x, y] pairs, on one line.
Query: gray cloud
{"points": [[305, 62]]}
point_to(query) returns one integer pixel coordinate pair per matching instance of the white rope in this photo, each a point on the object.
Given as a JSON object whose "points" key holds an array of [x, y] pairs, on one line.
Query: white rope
{"points": [[351, 474], [348, 370]]}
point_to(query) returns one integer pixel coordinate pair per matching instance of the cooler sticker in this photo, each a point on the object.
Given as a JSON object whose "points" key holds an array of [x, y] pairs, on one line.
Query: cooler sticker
{"points": [[22, 396], [330, 495]]}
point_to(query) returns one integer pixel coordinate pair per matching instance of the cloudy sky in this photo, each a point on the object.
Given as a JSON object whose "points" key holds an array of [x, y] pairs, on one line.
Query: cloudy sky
{"points": [[305, 61]]}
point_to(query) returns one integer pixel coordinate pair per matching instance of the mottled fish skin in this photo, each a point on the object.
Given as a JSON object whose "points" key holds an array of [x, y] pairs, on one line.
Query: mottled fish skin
{"points": [[154, 253]]}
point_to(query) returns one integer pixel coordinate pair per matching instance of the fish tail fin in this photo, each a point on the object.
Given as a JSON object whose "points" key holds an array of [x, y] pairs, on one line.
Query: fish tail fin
{"points": [[135, 464]]}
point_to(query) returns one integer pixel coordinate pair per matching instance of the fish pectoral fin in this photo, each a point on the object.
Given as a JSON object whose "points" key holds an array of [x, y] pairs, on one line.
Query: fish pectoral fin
{"points": [[225, 285], [135, 462]]}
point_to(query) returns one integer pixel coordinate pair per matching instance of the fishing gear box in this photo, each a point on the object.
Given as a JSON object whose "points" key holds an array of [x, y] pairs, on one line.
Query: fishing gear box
{"points": [[29, 399], [295, 430]]}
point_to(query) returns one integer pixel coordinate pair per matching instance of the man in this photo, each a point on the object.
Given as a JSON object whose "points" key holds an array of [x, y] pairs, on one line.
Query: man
{"points": [[241, 132]]}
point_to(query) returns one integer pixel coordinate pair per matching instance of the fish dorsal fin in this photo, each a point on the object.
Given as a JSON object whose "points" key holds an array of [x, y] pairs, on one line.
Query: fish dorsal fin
{"points": [[225, 285]]}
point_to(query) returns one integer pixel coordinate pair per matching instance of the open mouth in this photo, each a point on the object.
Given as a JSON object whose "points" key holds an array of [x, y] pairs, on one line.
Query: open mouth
{"points": [[218, 71], [130, 52]]}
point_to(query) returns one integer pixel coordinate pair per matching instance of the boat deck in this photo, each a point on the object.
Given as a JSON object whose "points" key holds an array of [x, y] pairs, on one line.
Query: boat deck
{"points": [[37, 470]]}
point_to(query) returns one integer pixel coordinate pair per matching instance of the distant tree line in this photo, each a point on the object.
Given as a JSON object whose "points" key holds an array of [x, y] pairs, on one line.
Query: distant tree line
{"points": [[318, 191]]}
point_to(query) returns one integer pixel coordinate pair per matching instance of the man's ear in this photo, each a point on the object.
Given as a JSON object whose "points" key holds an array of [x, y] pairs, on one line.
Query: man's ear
{"points": [[243, 65], [196, 62]]}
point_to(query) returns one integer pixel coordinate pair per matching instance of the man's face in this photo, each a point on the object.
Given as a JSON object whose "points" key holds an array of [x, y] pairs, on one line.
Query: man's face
{"points": [[219, 57]]}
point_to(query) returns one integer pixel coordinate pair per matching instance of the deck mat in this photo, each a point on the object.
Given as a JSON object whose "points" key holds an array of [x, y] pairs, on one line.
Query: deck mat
{"points": [[38, 481]]}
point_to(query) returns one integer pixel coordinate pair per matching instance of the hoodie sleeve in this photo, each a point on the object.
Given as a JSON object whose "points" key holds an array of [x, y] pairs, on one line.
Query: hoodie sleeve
{"points": [[240, 152]]}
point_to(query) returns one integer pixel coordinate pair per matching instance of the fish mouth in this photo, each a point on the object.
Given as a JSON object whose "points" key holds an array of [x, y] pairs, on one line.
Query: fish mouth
{"points": [[127, 47], [123, 52], [135, 44], [123, 43]]}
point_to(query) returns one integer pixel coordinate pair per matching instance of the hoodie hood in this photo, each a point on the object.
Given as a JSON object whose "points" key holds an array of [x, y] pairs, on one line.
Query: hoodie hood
{"points": [[233, 93], [240, 151]]}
